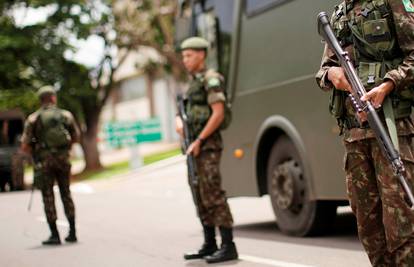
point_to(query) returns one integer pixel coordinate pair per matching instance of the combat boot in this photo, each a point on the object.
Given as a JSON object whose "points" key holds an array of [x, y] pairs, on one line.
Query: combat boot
{"points": [[54, 238], [227, 251], [209, 246], [72, 232]]}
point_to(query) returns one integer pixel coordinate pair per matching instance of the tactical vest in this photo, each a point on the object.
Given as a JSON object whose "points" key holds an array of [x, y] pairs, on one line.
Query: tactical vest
{"points": [[197, 107], [375, 51], [51, 132]]}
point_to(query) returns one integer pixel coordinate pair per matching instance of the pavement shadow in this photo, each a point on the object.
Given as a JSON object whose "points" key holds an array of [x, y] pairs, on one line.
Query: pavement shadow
{"points": [[49, 247], [342, 235], [196, 263]]}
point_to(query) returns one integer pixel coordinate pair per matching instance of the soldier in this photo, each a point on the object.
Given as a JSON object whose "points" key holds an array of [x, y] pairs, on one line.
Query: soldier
{"points": [[48, 135], [205, 107], [379, 36]]}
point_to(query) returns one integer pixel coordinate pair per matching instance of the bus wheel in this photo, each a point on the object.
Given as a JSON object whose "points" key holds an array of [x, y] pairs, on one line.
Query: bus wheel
{"points": [[289, 193]]}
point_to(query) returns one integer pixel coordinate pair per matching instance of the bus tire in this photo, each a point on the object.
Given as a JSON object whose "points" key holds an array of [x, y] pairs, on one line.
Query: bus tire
{"points": [[289, 190]]}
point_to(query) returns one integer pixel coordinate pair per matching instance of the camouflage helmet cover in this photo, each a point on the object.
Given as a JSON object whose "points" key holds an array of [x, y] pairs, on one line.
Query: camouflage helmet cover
{"points": [[46, 90], [194, 43]]}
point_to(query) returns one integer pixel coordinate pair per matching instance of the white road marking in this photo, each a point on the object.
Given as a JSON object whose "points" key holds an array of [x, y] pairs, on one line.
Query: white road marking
{"points": [[271, 262], [58, 222]]}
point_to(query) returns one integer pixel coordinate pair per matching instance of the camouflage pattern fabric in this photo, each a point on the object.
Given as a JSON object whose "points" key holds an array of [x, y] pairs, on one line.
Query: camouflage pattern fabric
{"points": [[385, 221], [213, 209], [18, 170], [403, 76], [206, 88], [55, 168], [30, 130], [51, 166]]}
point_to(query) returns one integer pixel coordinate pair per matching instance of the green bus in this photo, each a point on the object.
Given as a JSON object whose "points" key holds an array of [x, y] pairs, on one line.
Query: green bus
{"points": [[282, 140]]}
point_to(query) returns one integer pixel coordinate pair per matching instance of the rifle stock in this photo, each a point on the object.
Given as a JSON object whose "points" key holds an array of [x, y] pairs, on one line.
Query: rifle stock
{"points": [[358, 90]]}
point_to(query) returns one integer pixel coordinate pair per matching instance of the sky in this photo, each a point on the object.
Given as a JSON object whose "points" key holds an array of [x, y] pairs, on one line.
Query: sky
{"points": [[89, 52]]}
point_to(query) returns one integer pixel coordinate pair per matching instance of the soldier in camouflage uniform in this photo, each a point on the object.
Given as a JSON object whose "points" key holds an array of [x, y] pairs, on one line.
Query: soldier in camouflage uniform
{"points": [[51, 161], [205, 107], [379, 36]]}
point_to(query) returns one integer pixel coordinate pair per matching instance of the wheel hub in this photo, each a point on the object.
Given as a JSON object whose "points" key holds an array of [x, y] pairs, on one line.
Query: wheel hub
{"points": [[286, 185]]}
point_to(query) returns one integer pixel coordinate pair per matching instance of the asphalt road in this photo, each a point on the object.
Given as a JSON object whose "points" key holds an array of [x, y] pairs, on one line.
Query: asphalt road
{"points": [[147, 218]]}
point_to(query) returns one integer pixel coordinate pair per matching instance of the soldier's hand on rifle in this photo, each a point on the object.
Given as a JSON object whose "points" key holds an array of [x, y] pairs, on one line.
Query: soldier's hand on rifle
{"points": [[179, 126], [337, 77], [377, 94], [194, 148]]}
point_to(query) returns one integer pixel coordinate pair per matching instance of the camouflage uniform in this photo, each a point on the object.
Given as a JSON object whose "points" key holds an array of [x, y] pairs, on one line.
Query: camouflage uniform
{"points": [[51, 166], [213, 209], [385, 221]]}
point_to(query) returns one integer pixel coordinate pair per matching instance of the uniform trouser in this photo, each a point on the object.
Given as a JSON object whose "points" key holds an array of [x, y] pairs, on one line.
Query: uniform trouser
{"points": [[212, 206], [56, 169], [385, 221]]}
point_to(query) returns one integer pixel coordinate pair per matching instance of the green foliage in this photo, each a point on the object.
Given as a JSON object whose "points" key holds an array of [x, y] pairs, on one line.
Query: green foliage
{"points": [[26, 100], [33, 55]]}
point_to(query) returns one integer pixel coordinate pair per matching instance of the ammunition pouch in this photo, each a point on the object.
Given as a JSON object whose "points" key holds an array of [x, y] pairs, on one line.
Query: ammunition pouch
{"points": [[376, 51], [199, 115], [337, 103], [370, 74], [350, 122]]}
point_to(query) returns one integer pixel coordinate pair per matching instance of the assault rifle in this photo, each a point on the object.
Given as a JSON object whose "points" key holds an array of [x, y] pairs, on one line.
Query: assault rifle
{"points": [[193, 178], [358, 90]]}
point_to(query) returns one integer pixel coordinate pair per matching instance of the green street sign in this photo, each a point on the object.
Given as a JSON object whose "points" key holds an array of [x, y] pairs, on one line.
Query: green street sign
{"points": [[129, 133]]}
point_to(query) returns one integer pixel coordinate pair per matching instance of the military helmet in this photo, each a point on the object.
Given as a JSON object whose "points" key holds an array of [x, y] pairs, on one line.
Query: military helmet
{"points": [[197, 43], [46, 90]]}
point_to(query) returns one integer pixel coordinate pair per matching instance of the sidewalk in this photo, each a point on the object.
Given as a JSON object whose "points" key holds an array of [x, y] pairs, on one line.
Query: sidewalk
{"points": [[110, 157]]}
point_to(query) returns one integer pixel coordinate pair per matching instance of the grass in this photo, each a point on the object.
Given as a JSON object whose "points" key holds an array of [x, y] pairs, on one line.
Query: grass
{"points": [[160, 156], [123, 167]]}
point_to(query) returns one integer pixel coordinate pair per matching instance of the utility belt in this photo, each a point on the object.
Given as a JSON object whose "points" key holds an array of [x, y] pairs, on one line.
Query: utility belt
{"points": [[350, 123], [401, 108]]}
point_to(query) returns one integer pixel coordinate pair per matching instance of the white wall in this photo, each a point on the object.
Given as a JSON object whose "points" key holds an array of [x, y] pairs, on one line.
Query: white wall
{"points": [[164, 102]]}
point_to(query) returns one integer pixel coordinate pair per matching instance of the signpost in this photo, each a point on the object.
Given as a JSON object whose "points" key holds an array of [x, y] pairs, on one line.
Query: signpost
{"points": [[131, 134]]}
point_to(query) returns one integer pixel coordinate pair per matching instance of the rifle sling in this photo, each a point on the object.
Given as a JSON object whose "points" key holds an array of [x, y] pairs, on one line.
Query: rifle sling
{"points": [[390, 121]]}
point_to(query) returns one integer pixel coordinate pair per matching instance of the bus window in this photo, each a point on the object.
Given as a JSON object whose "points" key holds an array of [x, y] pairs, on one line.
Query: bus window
{"points": [[206, 27], [183, 22], [214, 22], [254, 7]]}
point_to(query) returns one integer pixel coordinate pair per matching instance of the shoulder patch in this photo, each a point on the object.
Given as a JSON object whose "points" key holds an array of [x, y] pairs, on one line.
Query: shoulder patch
{"points": [[213, 82], [212, 79], [408, 5]]}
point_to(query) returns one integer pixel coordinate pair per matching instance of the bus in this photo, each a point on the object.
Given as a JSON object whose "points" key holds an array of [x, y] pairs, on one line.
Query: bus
{"points": [[282, 141]]}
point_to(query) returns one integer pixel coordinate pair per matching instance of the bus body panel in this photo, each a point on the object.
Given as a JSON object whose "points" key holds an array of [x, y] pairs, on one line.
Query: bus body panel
{"points": [[275, 77]]}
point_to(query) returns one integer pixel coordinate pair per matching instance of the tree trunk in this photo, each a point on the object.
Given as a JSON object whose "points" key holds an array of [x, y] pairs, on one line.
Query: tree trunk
{"points": [[89, 145], [150, 93]]}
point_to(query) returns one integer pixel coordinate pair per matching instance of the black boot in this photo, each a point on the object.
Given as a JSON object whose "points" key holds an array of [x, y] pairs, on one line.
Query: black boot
{"points": [[72, 232], [227, 251], [209, 246], [54, 238]]}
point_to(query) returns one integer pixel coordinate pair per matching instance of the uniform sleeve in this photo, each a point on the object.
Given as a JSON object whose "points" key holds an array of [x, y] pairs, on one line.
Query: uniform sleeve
{"points": [[28, 131], [73, 127], [214, 84], [329, 59], [403, 14]]}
